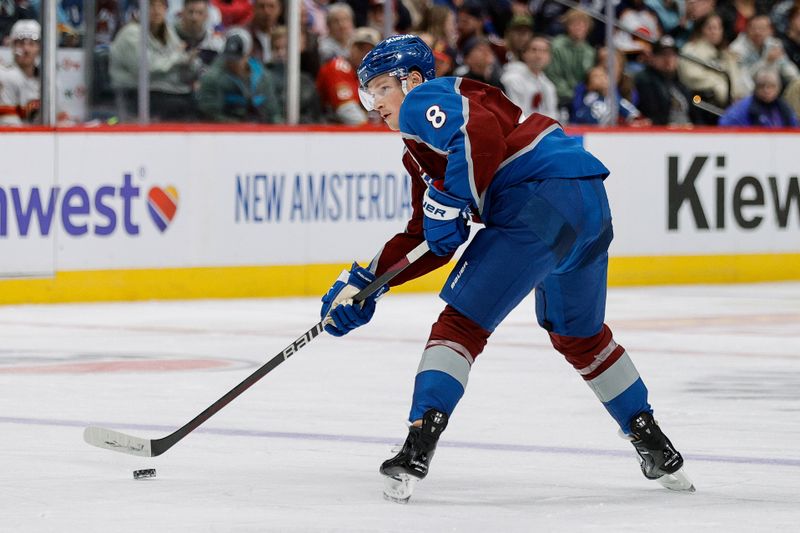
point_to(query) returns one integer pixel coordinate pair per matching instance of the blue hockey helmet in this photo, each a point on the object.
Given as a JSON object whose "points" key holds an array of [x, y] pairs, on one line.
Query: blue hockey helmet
{"points": [[397, 56]]}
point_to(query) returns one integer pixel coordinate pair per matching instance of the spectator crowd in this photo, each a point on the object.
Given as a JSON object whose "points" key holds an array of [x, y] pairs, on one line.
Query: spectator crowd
{"points": [[678, 62]]}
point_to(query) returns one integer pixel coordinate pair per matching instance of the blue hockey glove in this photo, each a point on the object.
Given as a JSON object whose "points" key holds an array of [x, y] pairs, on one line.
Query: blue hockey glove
{"points": [[340, 314], [446, 221]]}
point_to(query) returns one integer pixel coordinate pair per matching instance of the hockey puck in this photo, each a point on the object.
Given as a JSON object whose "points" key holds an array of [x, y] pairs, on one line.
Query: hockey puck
{"points": [[142, 474]]}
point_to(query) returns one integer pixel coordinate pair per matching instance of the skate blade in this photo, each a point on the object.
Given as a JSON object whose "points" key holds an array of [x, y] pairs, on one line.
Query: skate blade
{"points": [[677, 481], [398, 488]]}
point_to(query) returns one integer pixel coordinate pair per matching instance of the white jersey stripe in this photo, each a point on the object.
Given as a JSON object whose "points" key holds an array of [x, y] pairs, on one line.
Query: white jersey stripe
{"points": [[420, 140], [468, 147], [531, 146]]}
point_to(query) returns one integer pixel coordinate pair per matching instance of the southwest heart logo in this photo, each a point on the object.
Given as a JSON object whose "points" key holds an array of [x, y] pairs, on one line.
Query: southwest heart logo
{"points": [[162, 205]]}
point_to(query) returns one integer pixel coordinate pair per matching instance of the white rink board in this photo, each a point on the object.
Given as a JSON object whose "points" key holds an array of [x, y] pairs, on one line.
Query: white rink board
{"points": [[735, 168], [22, 168], [324, 190], [278, 198]]}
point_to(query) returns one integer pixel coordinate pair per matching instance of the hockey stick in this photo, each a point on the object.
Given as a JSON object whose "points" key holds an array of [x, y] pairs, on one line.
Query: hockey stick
{"points": [[121, 442]]}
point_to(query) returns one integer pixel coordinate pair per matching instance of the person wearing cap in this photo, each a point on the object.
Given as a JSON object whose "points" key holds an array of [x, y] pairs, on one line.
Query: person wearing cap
{"points": [[337, 82], [19, 84], [518, 33], [480, 62], [237, 88], [662, 97], [572, 56], [173, 71]]}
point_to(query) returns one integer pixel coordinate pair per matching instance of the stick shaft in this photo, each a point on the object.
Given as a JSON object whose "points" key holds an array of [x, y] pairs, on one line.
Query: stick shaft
{"points": [[111, 439]]}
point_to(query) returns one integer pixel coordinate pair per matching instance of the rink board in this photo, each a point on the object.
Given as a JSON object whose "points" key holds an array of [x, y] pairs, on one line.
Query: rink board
{"points": [[163, 213]]}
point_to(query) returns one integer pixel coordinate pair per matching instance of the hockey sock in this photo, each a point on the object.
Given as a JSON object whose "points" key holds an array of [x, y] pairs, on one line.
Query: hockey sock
{"points": [[454, 343], [609, 372], [441, 379]]}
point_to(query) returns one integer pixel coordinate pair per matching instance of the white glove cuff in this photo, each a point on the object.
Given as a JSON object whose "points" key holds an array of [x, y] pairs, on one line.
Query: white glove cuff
{"points": [[438, 211]]}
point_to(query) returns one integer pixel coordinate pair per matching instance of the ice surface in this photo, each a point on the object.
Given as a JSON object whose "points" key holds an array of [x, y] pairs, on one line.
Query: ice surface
{"points": [[529, 448]]}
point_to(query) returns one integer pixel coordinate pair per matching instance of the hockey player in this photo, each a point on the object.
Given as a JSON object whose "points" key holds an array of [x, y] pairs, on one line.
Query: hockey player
{"points": [[541, 198], [19, 83]]}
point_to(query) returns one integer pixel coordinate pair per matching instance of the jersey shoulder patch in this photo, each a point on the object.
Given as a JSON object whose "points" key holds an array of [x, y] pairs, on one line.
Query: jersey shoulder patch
{"points": [[430, 105]]}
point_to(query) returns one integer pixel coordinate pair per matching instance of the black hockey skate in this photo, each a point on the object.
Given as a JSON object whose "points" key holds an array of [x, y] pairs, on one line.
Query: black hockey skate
{"points": [[412, 462], [657, 456]]}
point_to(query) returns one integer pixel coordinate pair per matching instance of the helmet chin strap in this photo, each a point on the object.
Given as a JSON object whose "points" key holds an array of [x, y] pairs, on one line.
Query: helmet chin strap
{"points": [[404, 84]]}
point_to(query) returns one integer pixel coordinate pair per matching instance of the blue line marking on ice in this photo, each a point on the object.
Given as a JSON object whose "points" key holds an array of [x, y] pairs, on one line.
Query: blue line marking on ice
{"points": [[522, 448]]}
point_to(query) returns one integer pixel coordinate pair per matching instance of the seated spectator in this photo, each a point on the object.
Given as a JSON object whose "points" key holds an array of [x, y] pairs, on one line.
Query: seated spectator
{"points": [[234, 12], [316, 13], [695, 10], [706, 44], [193, 29], [19, 83], [438, 30], [266, 17], [337, 81], [791, 37], [525, 82], [480, 62], [779, 15], [310, 108], [624, 75], [340, 31], [764, 108], [213, 22], [736, 14], [518, 34], [594, 108], [172, 69], [10, 12], [572, 56], [237, 88], [375, 17], [756, 48], [669, 13], [662, 97], [791, 95], [549, 18], [469, 21]]}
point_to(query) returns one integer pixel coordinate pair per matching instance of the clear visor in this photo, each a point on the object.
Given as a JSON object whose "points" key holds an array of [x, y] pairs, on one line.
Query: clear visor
{"points": [[367, 99], [381, 87]]}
